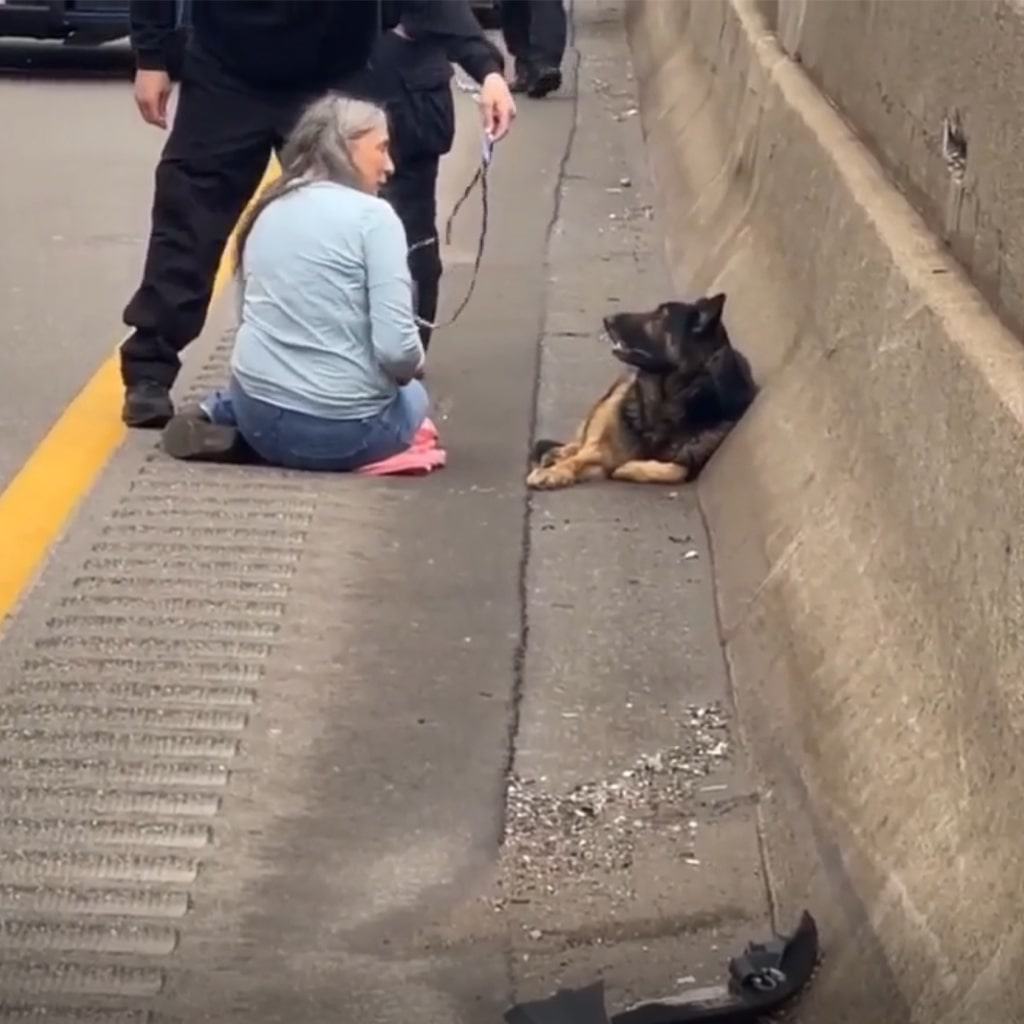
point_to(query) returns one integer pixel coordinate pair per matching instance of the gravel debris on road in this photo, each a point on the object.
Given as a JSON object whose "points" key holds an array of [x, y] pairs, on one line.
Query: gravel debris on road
{"points": [[593, 829]]}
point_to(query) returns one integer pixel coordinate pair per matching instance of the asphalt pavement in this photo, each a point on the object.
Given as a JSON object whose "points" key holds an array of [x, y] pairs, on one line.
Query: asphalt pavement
{"points": [[77, 170], [284, 747]]}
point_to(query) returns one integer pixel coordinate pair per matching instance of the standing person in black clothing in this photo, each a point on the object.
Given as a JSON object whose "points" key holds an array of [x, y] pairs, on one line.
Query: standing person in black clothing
{"points": [[412, 78], [249, 68], [535, 34]]}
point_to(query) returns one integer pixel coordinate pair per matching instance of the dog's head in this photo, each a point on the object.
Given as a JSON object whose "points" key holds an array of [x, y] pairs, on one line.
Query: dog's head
{"points": [[677, 337]]}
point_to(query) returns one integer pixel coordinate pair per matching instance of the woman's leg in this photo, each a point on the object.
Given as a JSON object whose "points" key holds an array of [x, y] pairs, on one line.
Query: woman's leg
{"points": [[295, 440], [387, 434], [218, 408], [394, 430]]}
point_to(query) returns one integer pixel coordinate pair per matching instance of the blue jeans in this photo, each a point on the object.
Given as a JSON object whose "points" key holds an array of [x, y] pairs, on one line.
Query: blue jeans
{"points": [[297, 440]]}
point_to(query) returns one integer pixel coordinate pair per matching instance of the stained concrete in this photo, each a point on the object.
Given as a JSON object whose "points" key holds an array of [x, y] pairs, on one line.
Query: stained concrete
{"points": [[863, 516], [898, 71]]}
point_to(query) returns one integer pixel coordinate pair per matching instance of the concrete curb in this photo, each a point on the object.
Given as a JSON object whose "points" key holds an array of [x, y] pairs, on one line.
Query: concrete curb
{"points": [[864, 519]]}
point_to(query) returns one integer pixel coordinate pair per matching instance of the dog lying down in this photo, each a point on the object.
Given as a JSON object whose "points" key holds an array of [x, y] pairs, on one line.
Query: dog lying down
{"points": [[688, 387]]}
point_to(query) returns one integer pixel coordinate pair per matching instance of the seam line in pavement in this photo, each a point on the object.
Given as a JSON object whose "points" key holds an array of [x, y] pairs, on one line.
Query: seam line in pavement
{"points": [[519, 657], [38, 502]]}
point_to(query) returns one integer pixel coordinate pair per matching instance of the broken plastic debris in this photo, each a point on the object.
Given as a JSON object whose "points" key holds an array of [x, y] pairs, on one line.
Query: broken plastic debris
{"points": [[763, 978]]}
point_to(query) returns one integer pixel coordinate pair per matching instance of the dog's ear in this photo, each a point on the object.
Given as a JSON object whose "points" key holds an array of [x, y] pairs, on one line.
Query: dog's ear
{"points": [[709, 313]]}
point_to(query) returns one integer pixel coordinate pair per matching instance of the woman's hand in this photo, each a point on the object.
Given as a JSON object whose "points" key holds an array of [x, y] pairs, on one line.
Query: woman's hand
{"points": [[497, 106]]}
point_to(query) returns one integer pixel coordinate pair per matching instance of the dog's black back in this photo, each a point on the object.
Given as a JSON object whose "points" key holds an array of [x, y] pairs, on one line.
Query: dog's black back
{"points": [[678, 415]]}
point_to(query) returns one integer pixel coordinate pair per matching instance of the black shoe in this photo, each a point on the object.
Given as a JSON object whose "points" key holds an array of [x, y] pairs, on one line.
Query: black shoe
{"points": [[195, 439], [147, 405], [523, 78], [543, 81]]}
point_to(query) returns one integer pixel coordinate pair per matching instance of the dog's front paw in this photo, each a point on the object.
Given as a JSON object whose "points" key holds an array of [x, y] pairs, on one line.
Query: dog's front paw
{"points": [[548, 453], [551, 478]]}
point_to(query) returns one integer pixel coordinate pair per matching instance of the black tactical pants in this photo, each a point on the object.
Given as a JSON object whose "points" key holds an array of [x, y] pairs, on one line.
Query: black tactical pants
{"points": [[414, 81], [412, 193], [535, 32]]}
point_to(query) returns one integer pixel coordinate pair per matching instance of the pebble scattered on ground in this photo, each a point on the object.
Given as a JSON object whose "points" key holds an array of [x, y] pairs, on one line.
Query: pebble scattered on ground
{"points": [[593, 829]]}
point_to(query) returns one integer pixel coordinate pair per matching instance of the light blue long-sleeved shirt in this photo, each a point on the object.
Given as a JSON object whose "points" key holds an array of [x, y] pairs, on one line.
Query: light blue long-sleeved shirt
{"points": [[326, 319]]}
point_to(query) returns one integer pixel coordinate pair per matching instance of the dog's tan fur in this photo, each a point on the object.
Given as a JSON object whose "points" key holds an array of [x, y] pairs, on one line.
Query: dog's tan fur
{"points": [[602, 449]]}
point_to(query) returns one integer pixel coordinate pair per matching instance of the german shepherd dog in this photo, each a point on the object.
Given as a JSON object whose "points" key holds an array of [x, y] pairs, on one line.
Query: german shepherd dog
{"points": [[686, 389]]}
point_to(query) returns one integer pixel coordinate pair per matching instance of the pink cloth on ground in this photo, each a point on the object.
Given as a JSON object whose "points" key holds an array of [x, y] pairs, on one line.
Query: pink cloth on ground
{"points": [[423, 456]]}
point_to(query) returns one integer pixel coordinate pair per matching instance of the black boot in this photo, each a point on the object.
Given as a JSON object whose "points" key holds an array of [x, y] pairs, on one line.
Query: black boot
{"points": [[523, 79], [192, 437], [147, 405], [543, 81]]}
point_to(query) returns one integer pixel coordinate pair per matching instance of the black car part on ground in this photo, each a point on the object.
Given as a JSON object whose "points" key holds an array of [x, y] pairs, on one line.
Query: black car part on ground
{"points": [[761, 980]]}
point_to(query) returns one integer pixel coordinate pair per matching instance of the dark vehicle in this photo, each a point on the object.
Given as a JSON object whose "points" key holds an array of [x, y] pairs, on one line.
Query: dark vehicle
{"points": [[87, 22], [91, 22]]}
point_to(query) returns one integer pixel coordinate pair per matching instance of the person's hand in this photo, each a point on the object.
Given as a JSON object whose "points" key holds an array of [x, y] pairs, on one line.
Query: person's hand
{"points": [[496, 106], [152, 93]]}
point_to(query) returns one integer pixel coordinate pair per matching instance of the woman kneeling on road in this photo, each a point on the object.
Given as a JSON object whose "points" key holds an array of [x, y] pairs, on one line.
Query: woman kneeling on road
{"points": [[323, 367]]}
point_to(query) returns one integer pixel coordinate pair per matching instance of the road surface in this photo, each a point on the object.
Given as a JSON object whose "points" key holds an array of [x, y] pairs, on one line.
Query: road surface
{"points": [[76, 168], [282, 747]]}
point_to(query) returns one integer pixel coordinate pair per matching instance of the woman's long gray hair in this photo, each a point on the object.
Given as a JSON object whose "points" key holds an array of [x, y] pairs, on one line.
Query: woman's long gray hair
{"points": [[318, 149]]}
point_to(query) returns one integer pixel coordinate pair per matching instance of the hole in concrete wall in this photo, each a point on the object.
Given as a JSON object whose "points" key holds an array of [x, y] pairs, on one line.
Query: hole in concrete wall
{"points": [[954, 145]]}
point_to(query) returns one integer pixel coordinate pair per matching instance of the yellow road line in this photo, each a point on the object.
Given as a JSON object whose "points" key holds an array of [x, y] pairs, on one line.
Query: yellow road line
{"points": [[37, 503]]}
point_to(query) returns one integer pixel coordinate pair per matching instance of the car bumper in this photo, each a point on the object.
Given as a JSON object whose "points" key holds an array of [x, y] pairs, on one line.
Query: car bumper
{"points": [[57, 19]]}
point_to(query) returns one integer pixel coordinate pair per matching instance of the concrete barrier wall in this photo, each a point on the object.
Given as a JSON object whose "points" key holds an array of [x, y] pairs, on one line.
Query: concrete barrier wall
{"points": [[866, 524], [899, 71]]}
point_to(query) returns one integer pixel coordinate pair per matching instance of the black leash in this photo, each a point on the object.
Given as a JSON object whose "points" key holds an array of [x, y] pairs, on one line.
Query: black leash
{"points": [[479, 178]]}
